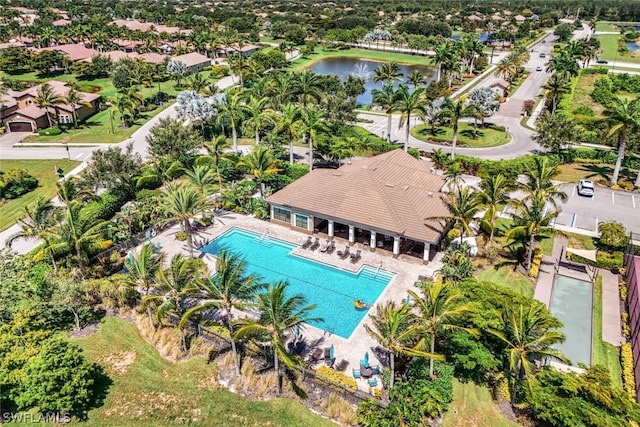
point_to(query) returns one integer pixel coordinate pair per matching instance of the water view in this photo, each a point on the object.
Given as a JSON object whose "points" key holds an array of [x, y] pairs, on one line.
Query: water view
{"points": [[343, 67], [633, 46]]}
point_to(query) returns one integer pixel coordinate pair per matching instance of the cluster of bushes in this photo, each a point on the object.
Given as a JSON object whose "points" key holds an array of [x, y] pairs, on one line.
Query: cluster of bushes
{"points": [[109, 204], [52, 131], [626, 358], [337, 377], [16, 182]]}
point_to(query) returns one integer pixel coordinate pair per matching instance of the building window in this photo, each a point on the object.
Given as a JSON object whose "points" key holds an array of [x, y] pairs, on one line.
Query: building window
{"points": [[29, 101], [64, 119], [302, 221], [282, 214]]}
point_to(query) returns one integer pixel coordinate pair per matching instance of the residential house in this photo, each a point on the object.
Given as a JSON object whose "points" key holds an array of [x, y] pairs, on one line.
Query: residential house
{"points": [[245, 50], [501, 86], [75, 52], [194, 61], [128, 45], [28, 117]]}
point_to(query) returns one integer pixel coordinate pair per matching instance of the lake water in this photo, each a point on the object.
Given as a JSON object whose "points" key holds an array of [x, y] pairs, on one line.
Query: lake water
{"points": [[343, 67], [633, 46]]}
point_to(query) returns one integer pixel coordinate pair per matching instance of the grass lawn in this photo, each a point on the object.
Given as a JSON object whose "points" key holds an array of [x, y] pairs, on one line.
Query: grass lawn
{"points": [[44, 171], [472, 406], [97, 129], [505, 276], [604, 354], [485, 137], [375, 55], [582, 93], [148, 390], [573, 172], [609, 45], [606, 26]]}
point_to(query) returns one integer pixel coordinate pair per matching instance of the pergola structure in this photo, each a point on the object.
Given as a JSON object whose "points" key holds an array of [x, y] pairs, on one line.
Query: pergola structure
{"points": [[383, 202]]}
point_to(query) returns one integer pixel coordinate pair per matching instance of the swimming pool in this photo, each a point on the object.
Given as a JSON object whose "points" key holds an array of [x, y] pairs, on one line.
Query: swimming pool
{"points": [[572, 304], [332, 290]]}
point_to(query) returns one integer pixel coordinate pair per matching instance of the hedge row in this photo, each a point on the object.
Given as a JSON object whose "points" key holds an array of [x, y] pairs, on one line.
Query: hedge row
{"points": [[626, 358], [337, 377], [109, 204]]}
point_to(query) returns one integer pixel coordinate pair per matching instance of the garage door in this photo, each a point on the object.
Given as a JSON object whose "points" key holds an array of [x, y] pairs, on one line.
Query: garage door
{"points": [[20, 127]]}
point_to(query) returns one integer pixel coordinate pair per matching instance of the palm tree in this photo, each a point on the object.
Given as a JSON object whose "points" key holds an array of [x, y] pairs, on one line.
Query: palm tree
{"points": [[557, 86], [39, 218], [564, 62], [231, 288], [70, 191], [258, 115], [455, 111], [74, 100], [289, 124], [441, 56], [440, 309], [408, 103], [124, 104], [529, 333], [231, 109], [387, 72], [142, 272], [203, 178], [385, 98], [261, 163], [415, 78], [46, 99], [217, 151], [538, 180], [396, 329], [622, 116], [307, 86], [463, 205], [173, 286], [279, 314], [197, 83], [183, 203], [312, 120], [494, 192]]}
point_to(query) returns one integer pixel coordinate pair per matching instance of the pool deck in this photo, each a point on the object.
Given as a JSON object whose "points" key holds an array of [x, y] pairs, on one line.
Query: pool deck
{"points": [[406, 269]]}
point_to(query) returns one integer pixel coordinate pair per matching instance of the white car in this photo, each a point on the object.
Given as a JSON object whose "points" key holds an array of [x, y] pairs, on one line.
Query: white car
{"points": [[539, 68], [585, 187]]}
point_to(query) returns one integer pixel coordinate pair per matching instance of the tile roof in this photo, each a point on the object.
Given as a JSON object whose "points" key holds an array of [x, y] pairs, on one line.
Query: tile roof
{"points": [[31, 111], [75, 52], [191, 59], [391, 193], [60, 89]]}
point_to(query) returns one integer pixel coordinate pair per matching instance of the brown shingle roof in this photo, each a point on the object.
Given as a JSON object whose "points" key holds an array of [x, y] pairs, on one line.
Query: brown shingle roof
{"points": [[392, 193]]}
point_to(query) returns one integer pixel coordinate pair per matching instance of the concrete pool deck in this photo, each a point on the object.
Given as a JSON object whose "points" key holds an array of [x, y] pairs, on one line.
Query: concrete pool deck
{"points": [[406, 269]]}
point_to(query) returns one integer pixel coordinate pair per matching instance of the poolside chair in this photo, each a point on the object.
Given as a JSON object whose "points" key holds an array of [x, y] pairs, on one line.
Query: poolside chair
{"points": [[341, 366], [373, 382], [157, 247], [307, 242], [324, 246], [328, 359], [315, 245], [356, 373], [346, 252], [375, 370], [332, 247], [316, 355], [356, 256]]}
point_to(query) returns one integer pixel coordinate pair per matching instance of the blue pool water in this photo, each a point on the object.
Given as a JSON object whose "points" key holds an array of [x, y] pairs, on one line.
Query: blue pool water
{"points": [[332, 290]]}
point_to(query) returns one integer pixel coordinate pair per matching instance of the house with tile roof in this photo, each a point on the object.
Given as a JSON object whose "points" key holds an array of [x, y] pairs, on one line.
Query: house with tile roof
{"points": [[382, 201], [75, 52], [194, 61], [28, 117]]}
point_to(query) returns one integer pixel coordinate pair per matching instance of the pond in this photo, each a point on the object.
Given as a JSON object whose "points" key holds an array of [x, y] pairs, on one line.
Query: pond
{"points": [[633, 46], [343, 67]]}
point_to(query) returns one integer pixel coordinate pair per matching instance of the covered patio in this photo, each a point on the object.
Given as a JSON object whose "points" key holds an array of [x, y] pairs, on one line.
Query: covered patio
{"points": [[380, 202]]}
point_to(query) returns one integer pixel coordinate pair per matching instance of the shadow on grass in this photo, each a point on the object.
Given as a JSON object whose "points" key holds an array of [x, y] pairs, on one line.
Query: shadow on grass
{"points": [[604, 171], [427, 131], [469, 133]]}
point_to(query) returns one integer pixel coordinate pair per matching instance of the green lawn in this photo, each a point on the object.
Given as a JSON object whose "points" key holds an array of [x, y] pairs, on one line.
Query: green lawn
{"points": [[148, 390], [609, 45], [44, 171], [472, 406], [504, 275], [604, 354], [376, 55], [573, 172], [98, 129], [485, 137], [606, 26]]}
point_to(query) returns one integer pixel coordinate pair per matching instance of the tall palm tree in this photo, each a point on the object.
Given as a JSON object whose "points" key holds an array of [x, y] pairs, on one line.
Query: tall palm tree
{"points": [[408, 103], [386, 98], [258, 116], [440, 307], [455, 111], [197, 83], [217, 151], [183, 203], [538, 180], [71, 191], [622, 116], [231, 110], [557, 86], [312, 120], [442, 55], [142, 272], [307, 87], [280, 89], [388, 72], [289, 124], [279, 314], [231, 288], [463, 205], [173, 285], [39, 219], [564, 62], [415, 79], [529, 333], [203, 178], [46, 99], [261, 163], [395, 327], [74, 100], [494, 192]]}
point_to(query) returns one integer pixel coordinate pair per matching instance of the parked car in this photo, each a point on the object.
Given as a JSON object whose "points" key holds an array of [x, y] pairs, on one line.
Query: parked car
{"points": [[539, 68], [602, 61], [585, 188], [543, 55]]}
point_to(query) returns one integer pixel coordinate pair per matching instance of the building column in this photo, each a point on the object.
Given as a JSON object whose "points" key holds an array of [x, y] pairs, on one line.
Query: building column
{"points": [[372, 241], [427, 250], [330, 228], [396, 246], [352, 234]]}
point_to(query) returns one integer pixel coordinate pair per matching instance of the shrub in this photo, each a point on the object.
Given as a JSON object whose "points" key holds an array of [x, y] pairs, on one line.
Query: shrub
{"points": [[16, 182], [626, 358], [50, 131], [584, 110], [181, 236], [623, 291], [613, 234], [109, 204], [337, 377]]}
